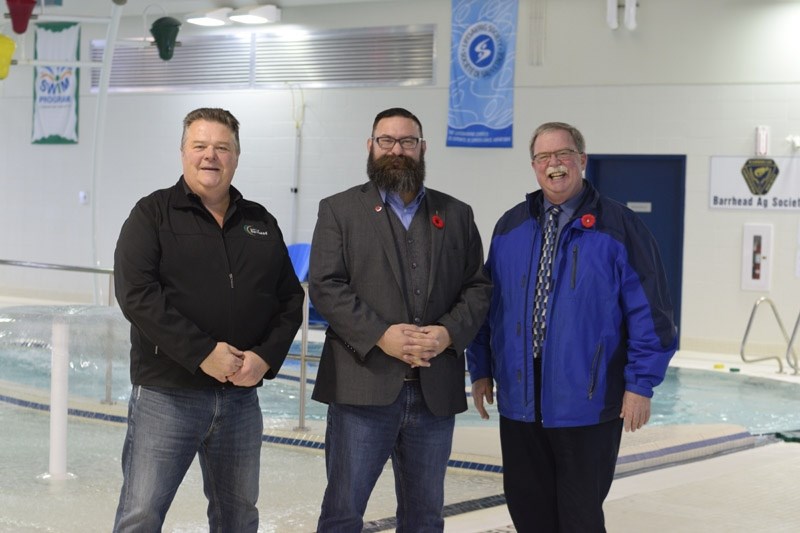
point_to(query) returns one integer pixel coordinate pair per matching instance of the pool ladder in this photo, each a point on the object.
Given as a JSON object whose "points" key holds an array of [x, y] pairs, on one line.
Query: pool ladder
{"points": [[791, 355]]}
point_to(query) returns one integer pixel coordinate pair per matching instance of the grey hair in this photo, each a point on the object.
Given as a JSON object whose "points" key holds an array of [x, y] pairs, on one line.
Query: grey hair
{"points": [[577, 136]]}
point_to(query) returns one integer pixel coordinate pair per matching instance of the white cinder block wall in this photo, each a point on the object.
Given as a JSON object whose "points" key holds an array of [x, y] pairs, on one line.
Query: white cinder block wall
{"points": [[694, 78]]}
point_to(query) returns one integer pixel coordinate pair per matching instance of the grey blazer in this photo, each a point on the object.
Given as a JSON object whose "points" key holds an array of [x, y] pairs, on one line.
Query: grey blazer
{"points": [[355, 283]]}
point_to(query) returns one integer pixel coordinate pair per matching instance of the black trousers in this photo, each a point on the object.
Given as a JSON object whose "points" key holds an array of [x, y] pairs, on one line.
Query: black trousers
{"points": [[556, 479]]}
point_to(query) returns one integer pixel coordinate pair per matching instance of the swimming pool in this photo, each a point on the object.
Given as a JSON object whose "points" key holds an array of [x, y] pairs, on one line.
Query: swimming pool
{"points": [[99, 342], [292, 483]]}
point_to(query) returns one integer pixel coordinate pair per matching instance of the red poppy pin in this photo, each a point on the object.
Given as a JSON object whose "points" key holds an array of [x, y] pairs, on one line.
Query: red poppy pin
{"points": [[588, 220], [437, 221]]}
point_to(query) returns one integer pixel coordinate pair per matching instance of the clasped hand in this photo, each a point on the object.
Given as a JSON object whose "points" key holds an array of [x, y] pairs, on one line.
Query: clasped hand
{"points": [[414, 345], [226, 363]]}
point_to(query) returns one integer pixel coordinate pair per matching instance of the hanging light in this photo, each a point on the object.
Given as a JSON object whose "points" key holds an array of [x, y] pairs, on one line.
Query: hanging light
{"points": [[216, 17], [165, 33], [20, 11], [256, 14]]}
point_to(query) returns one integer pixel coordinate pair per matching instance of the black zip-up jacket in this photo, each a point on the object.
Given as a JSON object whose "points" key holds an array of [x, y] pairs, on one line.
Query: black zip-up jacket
{"points": [[185, 284]]}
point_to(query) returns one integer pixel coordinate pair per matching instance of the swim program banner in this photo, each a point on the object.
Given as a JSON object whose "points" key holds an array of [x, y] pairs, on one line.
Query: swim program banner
{"points": [[55, 91], [484, 34]]}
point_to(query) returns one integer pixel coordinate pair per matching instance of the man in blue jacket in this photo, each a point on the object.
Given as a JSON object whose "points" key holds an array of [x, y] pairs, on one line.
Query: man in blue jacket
{"points": [[576, 365]]}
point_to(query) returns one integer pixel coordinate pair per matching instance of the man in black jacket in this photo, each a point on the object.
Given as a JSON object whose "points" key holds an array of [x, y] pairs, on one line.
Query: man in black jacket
{"points": [[205, 279]]}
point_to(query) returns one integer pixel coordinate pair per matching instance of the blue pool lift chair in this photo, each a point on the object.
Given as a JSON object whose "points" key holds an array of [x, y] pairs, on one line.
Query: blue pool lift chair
{"points": [[300, 253]]}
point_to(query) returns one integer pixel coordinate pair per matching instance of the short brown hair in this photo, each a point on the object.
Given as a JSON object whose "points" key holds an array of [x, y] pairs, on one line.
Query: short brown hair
{"points": [[213, 114]]}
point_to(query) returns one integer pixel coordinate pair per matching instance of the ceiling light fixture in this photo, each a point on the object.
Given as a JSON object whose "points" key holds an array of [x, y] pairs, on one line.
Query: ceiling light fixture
{"points": [[216, 17], [256, 14]]}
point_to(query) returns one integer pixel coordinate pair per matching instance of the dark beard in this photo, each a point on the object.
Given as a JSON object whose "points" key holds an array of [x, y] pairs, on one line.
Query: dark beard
{"points": [[406, 178]]}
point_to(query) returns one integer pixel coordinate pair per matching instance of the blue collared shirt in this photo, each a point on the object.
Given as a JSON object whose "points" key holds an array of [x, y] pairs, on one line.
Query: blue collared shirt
{"points": [[568, 209], [404, 212]]}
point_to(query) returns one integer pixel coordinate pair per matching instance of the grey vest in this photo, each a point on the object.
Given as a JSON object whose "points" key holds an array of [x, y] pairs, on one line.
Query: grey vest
{"points": [[414, 251]]}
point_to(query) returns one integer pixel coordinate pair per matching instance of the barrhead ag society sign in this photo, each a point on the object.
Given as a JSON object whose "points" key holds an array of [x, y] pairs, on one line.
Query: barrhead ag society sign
{"points": [[762, 183]]}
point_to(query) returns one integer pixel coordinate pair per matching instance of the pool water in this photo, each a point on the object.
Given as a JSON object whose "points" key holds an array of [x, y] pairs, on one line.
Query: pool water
{"points": [[689, 396], [99, 340]]}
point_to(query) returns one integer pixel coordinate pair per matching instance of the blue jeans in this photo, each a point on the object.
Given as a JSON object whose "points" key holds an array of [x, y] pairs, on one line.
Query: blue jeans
{"points": [[358, 442], [166, 429]]}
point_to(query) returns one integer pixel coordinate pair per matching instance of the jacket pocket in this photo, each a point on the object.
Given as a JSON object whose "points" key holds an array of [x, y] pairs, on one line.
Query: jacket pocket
{"points": [[574, 273], [594, 370], [330, 334]]}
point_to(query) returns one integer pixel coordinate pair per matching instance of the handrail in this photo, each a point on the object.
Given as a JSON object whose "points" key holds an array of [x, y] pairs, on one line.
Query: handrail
{"points": [[52, 266], [790, 346], [747, 332], [87, 270], [304, 356], [68, 268], [301, 426]]}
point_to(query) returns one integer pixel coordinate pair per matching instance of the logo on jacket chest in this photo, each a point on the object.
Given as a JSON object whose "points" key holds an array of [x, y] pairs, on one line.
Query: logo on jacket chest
{"points": [[255, 231]]}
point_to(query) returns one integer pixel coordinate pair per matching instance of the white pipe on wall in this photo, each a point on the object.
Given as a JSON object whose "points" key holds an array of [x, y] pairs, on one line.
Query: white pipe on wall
{"points": [[99, 133], [630, 14], [612, 15], [55, 62]]}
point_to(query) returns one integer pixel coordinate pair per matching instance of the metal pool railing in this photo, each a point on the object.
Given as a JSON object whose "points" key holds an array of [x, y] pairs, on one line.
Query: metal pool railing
{"points": [[59, 373], [86, 270], [67, 268], [60, 365], [790, 356]]}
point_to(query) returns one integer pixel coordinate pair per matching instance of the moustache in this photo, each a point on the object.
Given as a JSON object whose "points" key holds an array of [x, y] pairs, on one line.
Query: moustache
{"points": [[394, 162], [554, 170]]}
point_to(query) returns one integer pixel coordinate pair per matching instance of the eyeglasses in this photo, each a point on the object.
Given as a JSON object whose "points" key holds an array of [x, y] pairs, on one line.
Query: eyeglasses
{"points": [[406, 143], [561, 155]]}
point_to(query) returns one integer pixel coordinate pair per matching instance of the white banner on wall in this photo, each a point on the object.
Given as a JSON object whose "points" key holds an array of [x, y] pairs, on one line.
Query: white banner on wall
{"points": [[55, 91], [762, 183]]}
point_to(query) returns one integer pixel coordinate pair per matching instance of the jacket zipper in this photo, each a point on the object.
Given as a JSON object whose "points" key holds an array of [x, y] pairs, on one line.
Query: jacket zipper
{"points": [[231, 304]]}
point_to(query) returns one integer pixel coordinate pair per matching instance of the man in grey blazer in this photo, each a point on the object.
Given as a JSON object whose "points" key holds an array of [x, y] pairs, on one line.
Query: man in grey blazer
{"points": [[397, 271]]}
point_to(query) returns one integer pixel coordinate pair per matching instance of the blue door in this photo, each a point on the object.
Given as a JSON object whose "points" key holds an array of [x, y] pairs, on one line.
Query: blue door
{"points": [[654, 186]]}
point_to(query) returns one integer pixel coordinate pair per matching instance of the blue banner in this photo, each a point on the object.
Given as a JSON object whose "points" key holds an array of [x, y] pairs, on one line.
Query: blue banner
{"points": [[484, 34]]}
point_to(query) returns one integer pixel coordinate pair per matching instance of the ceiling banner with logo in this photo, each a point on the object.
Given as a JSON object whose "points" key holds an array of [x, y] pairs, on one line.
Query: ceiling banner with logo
{"points": [[763, 183], [483, 48], [55, 90]]}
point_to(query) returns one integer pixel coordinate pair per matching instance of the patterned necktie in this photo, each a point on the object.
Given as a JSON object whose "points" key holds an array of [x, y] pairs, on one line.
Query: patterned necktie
{"points": [[543, 279]]}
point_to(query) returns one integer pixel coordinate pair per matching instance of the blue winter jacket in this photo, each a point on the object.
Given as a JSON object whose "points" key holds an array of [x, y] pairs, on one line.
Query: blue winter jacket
{"points": [[609, 322]]}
